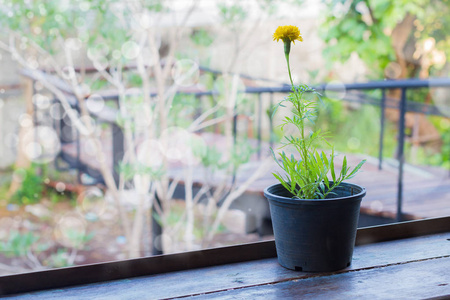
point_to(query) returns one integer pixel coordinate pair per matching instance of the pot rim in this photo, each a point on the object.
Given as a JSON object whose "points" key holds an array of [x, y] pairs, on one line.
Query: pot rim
{"points": [[274, 197]]}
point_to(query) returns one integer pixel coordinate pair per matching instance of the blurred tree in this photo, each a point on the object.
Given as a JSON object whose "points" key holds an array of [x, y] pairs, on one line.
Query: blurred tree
{"points": [[396, 39], [135, 43]]}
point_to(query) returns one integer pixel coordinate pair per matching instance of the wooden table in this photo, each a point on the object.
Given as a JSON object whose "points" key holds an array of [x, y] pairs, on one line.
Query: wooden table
{"points": [[402, 261]]}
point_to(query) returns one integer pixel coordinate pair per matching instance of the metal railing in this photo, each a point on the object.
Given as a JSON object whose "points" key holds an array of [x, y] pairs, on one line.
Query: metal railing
{"points": [[403, 105]]}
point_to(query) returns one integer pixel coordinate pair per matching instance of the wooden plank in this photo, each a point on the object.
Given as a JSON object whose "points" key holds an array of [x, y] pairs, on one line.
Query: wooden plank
{"points": [[78, 275], [412, 280], [247, 274], [402, 230]]}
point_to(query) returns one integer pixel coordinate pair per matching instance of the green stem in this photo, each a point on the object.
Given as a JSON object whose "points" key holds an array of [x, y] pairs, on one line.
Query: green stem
{"points": [[302, 129], [289, 70]]}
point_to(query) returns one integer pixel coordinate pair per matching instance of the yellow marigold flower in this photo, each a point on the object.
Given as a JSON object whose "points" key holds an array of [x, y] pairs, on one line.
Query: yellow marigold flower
{"points": [[287, 33]]}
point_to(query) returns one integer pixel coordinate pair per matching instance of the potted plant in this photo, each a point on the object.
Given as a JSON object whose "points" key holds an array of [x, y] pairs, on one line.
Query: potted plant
{"points": [[314, 217]]}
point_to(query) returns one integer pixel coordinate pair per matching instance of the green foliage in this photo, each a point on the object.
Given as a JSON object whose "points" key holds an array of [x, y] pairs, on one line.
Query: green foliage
{"points": [[183, 108], [355, 130], [211, 159], [78, 239], [241, 153], [438, 155], [201, 37], [134, 79], [348, 33], [155, 5], [4, 188], [306, 173], [19, 244], [60, 259], [232, 13], [130, 170], [365, 27], [32, 187], [98, 85]]}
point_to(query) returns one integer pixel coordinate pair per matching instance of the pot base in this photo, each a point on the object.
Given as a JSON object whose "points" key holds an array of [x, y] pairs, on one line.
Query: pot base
{"points": [[315, 235]]}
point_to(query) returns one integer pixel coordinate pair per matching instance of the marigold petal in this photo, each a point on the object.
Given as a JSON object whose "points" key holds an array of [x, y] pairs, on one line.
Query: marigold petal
{"points": [[287, 32]]}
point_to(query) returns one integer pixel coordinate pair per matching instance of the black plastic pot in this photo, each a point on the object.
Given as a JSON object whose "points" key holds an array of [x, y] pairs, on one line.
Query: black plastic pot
{"points": [[315, 235]]}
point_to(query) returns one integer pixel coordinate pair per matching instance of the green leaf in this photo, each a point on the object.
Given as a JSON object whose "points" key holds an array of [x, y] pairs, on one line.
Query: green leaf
{"points": [[333, 173], [344, 167], [281, 180], [356, 169]]}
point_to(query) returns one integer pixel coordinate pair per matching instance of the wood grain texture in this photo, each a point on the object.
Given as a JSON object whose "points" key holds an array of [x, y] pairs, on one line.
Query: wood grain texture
{"points": [[248, 280], [414, 280]]}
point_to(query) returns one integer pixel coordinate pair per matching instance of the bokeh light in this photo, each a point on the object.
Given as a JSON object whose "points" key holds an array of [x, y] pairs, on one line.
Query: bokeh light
{"points": [[41, 144], [101, 63], [145, 20], [149, 153], [74, 44], [91, 202], [173, 143], [41, 101], [185, 72], [66, 118], [56, 111], [100, 50], [88, 125], [163, 242], [353, 143], [110, 215], [60, 187], [25, 120], [130, 50], [95, 103], [376, 205], [70, 231], [179, 145], [32, 63], [67, 72], [85, 6], [142, 118]]}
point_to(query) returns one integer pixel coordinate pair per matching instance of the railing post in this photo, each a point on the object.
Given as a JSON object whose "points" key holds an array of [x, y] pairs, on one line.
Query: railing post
{"points": [[78, 149], [259, 137], [400, 152], [271, 139], [118, 150], [156, 229], [233, 179], [383, 106]]}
